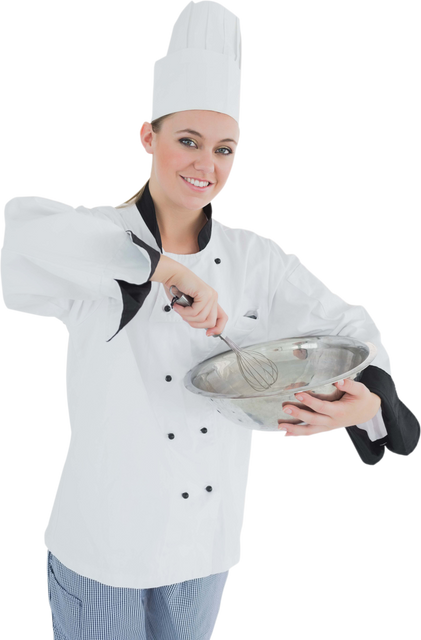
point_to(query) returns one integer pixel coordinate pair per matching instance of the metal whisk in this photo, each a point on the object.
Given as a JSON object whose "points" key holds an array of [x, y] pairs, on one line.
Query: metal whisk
{"points": [[257, 370]]}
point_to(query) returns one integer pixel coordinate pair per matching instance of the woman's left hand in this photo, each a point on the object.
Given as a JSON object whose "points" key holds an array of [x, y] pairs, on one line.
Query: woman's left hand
{"points": [[357, 405]]}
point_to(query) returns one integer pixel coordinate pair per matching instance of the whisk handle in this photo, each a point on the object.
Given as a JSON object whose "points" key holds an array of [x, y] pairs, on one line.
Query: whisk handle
{"points": [[186, 301], [180, 298]]}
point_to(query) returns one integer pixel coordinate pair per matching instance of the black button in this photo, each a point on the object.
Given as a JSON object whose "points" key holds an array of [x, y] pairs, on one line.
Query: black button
{"points": [[168, 378], [171, 436], [209, 488], [167, 307], [185, 495], [204, 430], [217, 260]]}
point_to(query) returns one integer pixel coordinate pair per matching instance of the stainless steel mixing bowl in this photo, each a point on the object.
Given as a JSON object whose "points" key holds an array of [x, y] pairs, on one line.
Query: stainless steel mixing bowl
{"points": [[307, 363]]}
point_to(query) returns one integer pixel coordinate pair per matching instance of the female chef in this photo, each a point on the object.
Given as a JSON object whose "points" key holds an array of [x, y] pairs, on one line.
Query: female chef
{"points": [[147, 518]]}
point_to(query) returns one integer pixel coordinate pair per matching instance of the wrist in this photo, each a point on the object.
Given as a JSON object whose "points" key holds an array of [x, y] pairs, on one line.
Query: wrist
{"points": [[377, 401], [166, 270]]}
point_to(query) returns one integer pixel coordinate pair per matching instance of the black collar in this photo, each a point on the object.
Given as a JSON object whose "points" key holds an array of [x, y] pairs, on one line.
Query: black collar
{"points": [[146, 208]]}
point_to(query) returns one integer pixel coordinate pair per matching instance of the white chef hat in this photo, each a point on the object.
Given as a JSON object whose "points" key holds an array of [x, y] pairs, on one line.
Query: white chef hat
{"points": [[202, 67]]}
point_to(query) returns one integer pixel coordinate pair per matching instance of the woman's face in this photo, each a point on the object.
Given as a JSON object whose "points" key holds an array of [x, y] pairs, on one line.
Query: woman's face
{"points": [[179, 154]]}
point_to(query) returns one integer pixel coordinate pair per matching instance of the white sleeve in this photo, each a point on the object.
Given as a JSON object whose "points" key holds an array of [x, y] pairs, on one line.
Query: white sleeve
{"points": [[301, 305], [54, 254], [375, 427]]}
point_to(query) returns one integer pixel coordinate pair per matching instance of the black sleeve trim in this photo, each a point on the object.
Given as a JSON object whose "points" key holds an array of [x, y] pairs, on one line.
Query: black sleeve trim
{"points": [[154, 254], [134, 295], [403, 429]]}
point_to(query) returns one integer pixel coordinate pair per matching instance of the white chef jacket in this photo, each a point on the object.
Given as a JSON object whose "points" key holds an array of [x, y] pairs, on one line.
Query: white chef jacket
{"points": [[153, 487]]}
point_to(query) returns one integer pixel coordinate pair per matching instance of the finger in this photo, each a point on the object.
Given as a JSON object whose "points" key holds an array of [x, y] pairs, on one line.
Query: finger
{"points": [[188, 312], [196, 319], [290, 431], [350, 386], [302, 429], [320, 406], [310, 417], [221, 321]]}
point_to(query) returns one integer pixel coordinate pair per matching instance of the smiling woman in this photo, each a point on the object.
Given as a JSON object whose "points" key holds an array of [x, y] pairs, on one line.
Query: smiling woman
{"points": [[156, 126], [185, 171]]}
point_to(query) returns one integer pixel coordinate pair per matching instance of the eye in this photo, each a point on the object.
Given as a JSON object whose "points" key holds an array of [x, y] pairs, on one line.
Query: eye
{"points": [[186, 140], [182, 140], [227, 149]]}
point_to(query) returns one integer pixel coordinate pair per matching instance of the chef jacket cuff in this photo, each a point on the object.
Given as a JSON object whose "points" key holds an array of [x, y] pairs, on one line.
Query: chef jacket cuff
{"points": [[403, 429], [134, 295]]}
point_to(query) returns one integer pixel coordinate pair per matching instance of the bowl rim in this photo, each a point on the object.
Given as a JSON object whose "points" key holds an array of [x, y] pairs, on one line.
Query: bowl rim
{"points": [[372, 352]]}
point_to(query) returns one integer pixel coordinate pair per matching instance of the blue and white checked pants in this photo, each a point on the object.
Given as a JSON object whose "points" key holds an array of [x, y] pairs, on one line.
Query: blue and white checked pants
{"points": [[84, 609]]}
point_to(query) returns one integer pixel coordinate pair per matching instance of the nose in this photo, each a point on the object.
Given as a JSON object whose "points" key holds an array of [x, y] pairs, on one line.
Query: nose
{"points": [[204, 162]]}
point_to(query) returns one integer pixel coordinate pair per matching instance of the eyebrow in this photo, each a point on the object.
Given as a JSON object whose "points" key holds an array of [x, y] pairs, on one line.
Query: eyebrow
{"points": [[196, 133]]}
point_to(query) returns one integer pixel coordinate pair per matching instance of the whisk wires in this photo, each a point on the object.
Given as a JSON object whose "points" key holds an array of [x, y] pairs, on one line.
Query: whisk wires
{"points": [[261, 378], [258, 371]]}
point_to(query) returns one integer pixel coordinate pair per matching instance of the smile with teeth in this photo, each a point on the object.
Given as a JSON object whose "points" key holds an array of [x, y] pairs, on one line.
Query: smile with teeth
{"points": [[196, 183]]}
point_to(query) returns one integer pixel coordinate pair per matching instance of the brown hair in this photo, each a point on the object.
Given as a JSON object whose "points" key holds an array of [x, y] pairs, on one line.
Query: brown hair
{"points": [[156, 128]]}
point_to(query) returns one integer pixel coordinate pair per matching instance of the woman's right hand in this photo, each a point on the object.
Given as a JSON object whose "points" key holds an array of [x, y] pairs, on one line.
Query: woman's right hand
{"points": [[205, 312]]}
